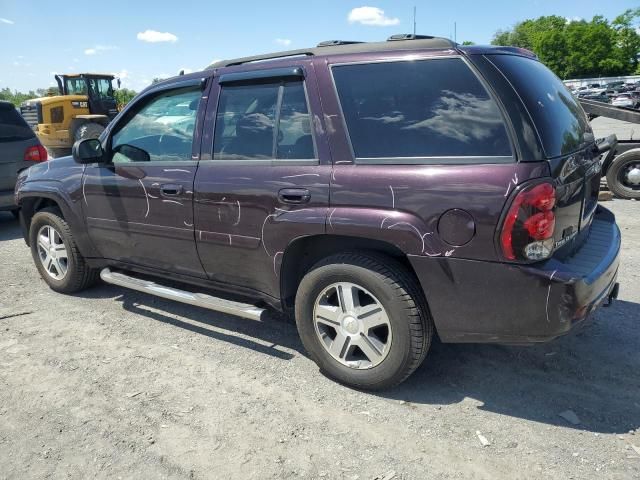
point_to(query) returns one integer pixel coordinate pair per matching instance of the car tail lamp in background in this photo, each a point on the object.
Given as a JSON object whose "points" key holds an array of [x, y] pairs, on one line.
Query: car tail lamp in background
{"points": [[527, 230], [36, 154]]}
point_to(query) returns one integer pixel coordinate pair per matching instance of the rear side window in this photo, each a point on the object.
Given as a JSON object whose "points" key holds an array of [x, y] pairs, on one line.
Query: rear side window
{"points": [[263, 122], [419, 109], [13, 128], [559, 119]]}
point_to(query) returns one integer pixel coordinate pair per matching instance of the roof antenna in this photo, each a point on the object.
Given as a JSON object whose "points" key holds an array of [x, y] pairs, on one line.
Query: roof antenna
{"points": [[414, 19]]}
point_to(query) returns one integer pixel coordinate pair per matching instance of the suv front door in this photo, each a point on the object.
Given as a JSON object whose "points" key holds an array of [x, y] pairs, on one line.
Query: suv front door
{"points": [[264, 180], [139, 205]]}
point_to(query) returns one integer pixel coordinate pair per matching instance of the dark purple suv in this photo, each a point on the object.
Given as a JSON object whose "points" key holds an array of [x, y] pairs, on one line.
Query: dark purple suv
{"points": [[382, 192]]}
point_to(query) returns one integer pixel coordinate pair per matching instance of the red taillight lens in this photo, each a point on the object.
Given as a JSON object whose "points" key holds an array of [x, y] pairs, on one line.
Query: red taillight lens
{"points": [[527, 230], [541, 225], [36, 154]]}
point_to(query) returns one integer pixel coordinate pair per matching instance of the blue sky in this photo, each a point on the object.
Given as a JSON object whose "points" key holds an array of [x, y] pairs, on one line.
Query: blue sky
{"points": [[140, 40]]}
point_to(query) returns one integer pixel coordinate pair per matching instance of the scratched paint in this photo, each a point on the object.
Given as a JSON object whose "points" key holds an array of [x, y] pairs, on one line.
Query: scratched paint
{"points": [[146, 197]]}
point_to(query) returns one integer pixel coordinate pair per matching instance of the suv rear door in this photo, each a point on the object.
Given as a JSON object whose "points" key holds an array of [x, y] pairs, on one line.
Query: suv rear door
{"points": [[263, 177]]}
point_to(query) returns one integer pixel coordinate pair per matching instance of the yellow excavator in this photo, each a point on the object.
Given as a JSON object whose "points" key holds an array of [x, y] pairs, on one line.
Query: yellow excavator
{"points": [[84, 107]]}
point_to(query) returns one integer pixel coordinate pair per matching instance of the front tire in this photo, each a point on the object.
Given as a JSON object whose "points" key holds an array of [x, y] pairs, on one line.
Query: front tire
{"points": [[363, 320], [623, 175], [56, 253]]}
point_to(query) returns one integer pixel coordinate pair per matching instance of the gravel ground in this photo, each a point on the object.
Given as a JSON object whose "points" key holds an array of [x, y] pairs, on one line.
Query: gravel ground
{"points": [[117, 384], [624, 130]]}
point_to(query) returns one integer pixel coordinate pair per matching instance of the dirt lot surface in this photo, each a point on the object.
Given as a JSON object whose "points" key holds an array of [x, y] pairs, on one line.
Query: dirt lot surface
{"points": [[117, 384]]}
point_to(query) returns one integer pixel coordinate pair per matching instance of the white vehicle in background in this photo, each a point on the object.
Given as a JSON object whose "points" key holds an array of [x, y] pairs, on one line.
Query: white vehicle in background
{"points": [[629, 100]]}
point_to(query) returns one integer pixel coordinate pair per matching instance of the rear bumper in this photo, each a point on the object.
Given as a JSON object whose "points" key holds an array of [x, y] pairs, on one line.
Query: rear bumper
{"points": [[7, 200], [475, 301]]}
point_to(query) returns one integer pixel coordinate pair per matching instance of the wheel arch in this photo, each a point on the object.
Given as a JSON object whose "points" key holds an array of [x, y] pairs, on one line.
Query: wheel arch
{"points": [[304, 252], [32, 202]]}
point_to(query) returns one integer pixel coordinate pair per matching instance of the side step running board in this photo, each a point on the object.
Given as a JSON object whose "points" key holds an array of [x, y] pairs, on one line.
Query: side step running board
{"points": [[243, 310]]}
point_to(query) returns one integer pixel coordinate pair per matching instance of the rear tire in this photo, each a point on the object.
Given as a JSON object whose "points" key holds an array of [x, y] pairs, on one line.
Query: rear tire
{"points": [[88, 130], [58, 260], [618, 175], [380, 283]]}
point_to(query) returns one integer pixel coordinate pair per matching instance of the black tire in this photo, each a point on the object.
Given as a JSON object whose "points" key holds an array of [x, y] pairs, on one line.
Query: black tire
{"points": [[88, 130], [398, 292], [79, 275], [616, 172]]}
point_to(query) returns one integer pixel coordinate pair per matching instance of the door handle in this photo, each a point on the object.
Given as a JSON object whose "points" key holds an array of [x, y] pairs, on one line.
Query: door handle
{"points": [[170, 189], [294, 195]]}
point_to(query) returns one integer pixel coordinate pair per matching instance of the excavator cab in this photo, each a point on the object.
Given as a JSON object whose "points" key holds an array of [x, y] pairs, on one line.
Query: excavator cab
{"points": [[98, 89]]}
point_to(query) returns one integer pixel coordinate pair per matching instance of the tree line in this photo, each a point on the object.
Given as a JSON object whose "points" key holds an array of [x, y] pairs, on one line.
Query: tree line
{"points": [[580, 48]]}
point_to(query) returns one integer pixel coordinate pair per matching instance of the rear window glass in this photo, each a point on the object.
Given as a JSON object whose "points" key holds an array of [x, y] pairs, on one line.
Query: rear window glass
{"points": [[13, 128], [419, 109], [561, 122]]}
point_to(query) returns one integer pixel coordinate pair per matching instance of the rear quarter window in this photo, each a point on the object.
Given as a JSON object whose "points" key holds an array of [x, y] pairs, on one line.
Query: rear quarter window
{"points": [[13, 128], [561, 123], [422, 109]]}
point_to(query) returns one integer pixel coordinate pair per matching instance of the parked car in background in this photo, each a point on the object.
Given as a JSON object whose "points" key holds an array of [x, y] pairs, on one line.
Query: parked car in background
{"points": [[19, 149], [379, 192], [629, 100], [614, 85], [598, 97]]}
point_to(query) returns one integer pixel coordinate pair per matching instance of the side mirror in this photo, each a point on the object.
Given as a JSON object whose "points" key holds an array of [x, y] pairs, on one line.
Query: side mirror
{"points": [[132, 154], [88, 151]]}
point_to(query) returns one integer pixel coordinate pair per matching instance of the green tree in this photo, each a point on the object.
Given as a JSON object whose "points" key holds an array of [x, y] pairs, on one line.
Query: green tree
{"points": [[627, 38], [124, 96], [468, 42], [579, 48]]}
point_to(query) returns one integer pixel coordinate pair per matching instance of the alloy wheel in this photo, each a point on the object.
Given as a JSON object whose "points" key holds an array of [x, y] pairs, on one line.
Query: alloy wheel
{"points": [[352, 325], [52, 252]]}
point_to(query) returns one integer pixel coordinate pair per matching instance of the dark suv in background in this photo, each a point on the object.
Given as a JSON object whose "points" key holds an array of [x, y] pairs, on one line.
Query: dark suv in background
{"points": [[381, 192], [19, 149]]}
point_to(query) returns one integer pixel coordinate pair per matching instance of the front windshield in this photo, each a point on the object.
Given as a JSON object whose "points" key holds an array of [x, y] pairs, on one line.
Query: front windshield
{"points": [[76, 86], [101, 87]]}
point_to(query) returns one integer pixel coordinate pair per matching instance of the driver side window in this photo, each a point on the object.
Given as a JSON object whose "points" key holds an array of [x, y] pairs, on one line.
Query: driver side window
{"points": [[161, 130]]}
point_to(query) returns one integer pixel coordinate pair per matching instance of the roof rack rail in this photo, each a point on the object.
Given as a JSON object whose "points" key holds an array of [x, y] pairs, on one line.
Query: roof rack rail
{"points": [[408, 36], [258, 58], [333, 43]]}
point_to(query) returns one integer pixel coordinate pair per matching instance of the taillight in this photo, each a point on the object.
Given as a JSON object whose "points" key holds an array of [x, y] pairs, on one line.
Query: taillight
{"points": [[36, 154], [527, 230]]}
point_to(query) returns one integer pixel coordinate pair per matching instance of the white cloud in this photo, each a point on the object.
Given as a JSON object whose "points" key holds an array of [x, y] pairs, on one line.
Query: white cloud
{"points": [[573, 19], [285, 42], [122, 74], [7, 21], [371, 16], [98, 48], [153, 36]]}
